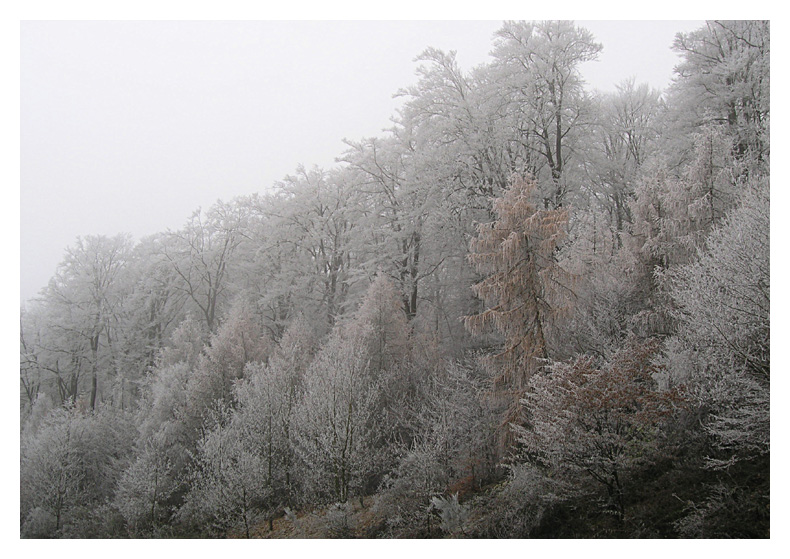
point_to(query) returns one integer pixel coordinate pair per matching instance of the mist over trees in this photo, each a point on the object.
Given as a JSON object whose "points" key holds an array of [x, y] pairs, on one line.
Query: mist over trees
{"points": [[526, 310]]}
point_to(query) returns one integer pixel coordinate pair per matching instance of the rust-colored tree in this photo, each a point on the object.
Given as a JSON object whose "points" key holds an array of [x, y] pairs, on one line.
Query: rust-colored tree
{"points": [[524, 288], [600, 423]]}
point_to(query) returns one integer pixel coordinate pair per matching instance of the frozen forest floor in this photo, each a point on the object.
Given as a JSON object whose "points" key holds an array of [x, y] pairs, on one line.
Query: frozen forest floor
{"points": [[660, 501], [354, 521]]}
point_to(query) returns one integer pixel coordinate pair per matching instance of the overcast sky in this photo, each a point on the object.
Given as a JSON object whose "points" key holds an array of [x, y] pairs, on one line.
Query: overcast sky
{"points": [[130, 126]]}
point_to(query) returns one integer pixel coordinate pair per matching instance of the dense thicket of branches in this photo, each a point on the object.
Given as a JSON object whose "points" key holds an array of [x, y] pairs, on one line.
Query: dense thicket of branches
{"points": [[528, 310]]}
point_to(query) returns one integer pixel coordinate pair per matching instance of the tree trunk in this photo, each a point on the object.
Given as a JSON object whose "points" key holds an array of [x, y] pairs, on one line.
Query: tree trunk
{"points": [[94, 370]]}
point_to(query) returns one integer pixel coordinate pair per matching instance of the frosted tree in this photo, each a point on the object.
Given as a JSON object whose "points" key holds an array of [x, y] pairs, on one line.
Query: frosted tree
{"points": [[721, 352], [50, 475], [263, 418], [145, 488], [265, 412], [221, 365], [596, 422], [192, 377], [673, 214], [524, 288], [625, 134], [296, 348], [395, 210], [228, 480], [41, 368], [448, 116], [168, 426], [185, 344], [383, 322], [336, 424], [266, 408], [398, 359], [152, 310], [451, 449], [270, 270], [724, 79], [69, 470], [201, 255], [168, 420], [723, 307], [313, 219], [239, 340], [83, 301], [540, 65]]}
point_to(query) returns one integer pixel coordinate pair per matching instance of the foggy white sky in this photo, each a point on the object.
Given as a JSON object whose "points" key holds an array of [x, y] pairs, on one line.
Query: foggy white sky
{"points": [[130, 126]]}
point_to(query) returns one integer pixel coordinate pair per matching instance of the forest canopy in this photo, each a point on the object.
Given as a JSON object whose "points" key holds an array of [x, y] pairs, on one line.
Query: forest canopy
{"points": [[527, 310]]}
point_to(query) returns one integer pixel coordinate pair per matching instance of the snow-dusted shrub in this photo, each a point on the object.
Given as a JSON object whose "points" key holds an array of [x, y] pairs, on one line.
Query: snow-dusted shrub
{"points": [[452, 513]]}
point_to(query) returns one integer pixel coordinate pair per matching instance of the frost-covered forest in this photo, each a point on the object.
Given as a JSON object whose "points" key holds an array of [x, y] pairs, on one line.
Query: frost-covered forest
{"points": [[527, 310]]}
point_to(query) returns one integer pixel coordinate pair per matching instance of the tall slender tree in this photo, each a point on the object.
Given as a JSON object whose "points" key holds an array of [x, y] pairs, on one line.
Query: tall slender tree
{"points": [[524, 287]]}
